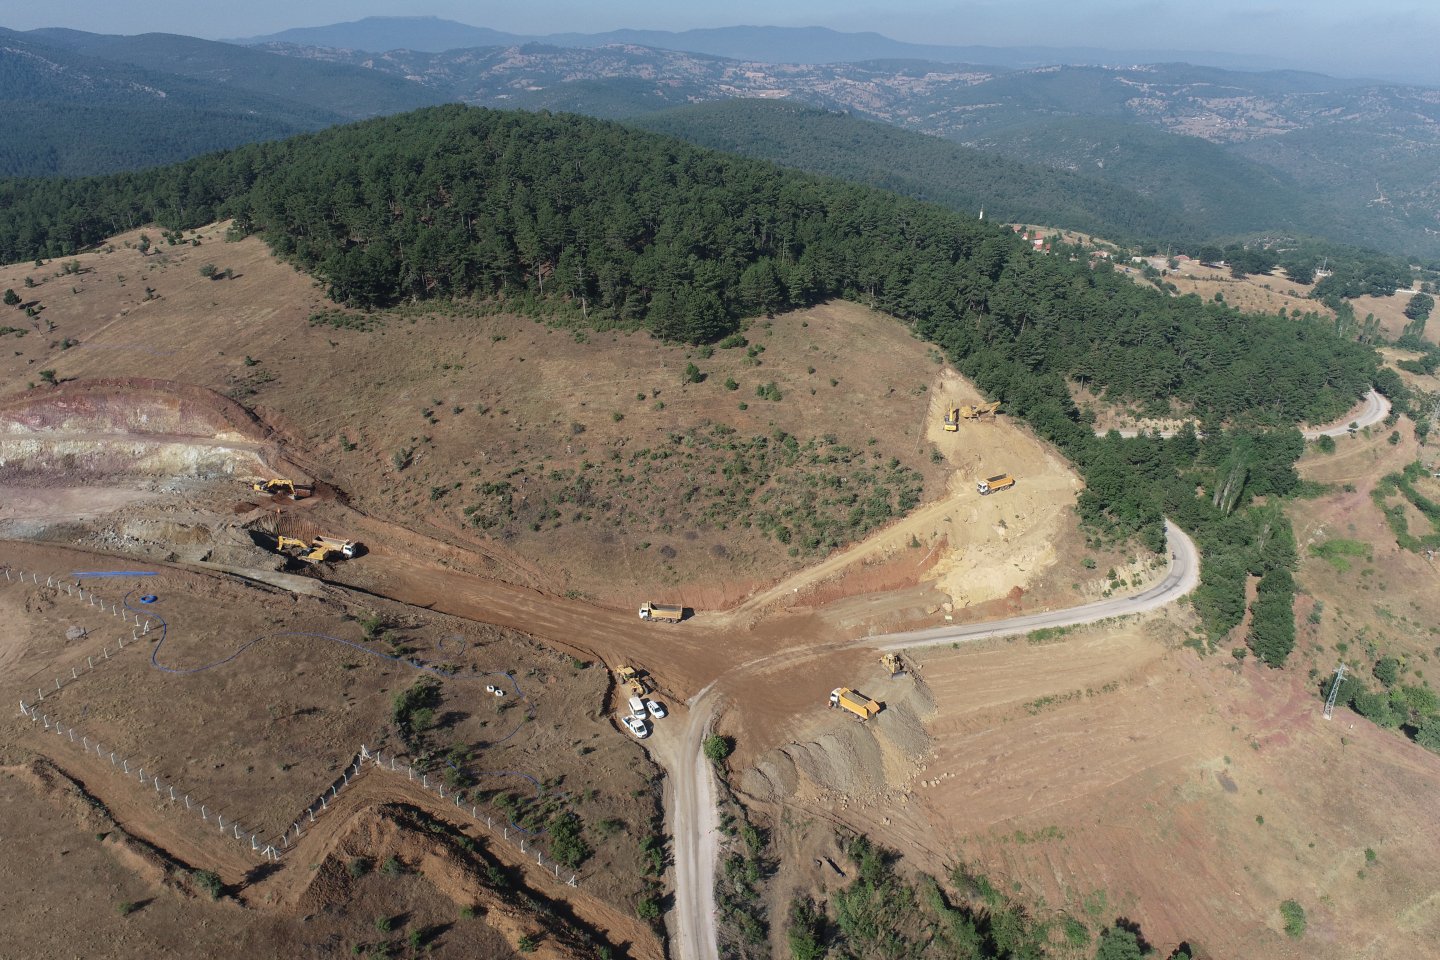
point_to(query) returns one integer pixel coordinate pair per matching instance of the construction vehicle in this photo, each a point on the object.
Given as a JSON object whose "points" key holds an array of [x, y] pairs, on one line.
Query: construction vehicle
{"points": [[952, 420], [346, 548], [664, 612], [631, 681], [893, 664], [968, 412], [854, 701], [279, 485], [317, 550], [1001, 481]]}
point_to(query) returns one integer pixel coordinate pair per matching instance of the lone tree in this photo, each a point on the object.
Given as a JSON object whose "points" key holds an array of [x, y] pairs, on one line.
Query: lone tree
{"points": [[11, 297], [208, 271], [48, 376]]}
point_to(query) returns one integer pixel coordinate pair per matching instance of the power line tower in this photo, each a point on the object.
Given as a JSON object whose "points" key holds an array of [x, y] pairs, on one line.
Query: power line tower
{"points": [[1334, 691]]}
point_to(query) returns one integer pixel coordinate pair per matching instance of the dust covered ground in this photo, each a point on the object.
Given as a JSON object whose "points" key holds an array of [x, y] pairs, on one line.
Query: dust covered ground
{"points": [[1109, 772], [581, 461], [544, 480], [251, 701]]}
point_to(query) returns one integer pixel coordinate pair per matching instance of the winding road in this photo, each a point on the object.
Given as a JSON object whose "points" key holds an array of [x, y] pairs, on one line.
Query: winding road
{"points": [[1370, 411], [691, 805]]}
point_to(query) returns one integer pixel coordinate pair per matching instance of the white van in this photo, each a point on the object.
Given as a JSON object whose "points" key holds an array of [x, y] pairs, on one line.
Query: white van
{"points": [[637, 707]]}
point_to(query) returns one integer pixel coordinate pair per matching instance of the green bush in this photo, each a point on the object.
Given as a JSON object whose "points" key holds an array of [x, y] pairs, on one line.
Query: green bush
{"points": [[567, 846], [1294, 916], [1428, 734], [717, 748], [209, 882], [1387, 670]]}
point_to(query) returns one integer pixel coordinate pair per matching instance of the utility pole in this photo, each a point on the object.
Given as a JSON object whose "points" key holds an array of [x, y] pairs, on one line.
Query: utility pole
{"points": [[1334, 691]]}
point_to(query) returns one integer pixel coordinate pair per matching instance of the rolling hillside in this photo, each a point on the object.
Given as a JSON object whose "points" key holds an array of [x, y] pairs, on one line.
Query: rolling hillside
{"points": [[923, 167], [767, 44], [1283, 151], [75, 104], [69, 114], [351, 92]]}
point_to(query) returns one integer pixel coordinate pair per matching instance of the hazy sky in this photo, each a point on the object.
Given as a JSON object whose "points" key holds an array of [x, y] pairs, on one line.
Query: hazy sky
{"points": [[1347, 37]]}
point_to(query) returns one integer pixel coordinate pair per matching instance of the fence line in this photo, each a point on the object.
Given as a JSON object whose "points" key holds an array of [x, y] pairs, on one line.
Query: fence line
{"points": [[12, 575], [357, 766], [320, 805], [167, 791]]}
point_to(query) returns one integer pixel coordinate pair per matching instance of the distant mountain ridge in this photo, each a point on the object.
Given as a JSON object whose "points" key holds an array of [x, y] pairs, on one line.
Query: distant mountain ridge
{"points": [[76, 104], [351, 91], [1174, 148], [1285, 151], [775, 45], [923, 167], [68, 114]]}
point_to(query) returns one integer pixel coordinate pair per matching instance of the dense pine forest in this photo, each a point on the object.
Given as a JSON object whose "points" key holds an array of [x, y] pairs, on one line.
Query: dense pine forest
{"points": [[619, 227]]}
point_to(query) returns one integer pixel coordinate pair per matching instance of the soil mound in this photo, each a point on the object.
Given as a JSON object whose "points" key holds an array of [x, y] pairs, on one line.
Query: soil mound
{"points": [[848, 757], [130, 405]]}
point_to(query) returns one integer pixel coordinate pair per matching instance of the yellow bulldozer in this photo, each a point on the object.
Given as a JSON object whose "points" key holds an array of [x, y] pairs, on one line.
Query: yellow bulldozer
{"points": [[968, 412], [893, 664], [630, 680]]}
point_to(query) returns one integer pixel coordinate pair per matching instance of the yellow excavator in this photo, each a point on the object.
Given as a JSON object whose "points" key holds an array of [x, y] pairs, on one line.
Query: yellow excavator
{"points": [[278, 485]]}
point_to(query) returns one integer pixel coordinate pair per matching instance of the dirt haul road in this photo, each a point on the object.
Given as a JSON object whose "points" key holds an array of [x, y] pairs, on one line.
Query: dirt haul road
{"points": [[1368, 412], [692, 812]]}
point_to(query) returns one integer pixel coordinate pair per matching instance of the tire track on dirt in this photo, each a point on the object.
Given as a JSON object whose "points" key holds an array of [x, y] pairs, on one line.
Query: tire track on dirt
{"points": [[693, 815]]}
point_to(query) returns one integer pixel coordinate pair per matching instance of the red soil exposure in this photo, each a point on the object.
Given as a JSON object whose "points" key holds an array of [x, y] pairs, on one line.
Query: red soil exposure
{"points": [[132, 405]]}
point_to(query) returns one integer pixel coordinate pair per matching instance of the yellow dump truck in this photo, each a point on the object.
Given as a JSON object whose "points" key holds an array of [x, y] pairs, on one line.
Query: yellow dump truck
{"points": [[317, 550], [854, 701], [952, 420], [1001, 481], [663, 612], [346, 548]]}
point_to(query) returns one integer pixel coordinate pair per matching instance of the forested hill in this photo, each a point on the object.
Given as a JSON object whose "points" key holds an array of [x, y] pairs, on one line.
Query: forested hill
{"points": [[65, 113], [76, 103], [924, 167], [645, 230], [597, 223]]}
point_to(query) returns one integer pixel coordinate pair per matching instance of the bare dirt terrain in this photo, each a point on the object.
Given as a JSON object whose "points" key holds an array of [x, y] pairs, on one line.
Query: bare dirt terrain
{"points": [[578, 461], [519, 489], [252, 700]]}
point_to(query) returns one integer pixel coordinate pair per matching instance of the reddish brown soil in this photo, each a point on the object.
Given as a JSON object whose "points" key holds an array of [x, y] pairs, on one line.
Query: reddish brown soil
{"points": [[1107, 750], [259, 737]]}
